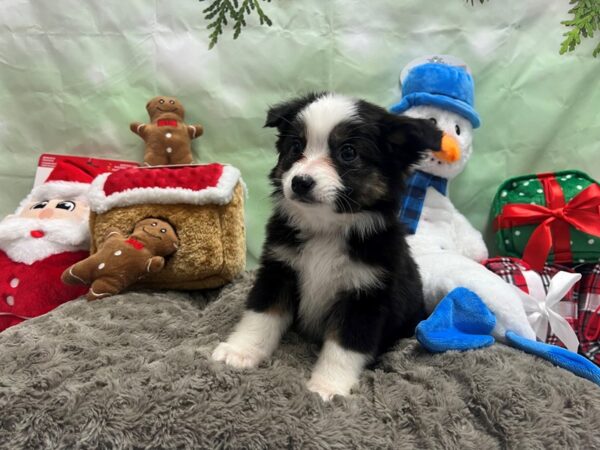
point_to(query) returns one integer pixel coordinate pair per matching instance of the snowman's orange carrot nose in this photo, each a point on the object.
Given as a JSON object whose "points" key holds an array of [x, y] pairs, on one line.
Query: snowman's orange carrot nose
{"points": [[449, 151]]}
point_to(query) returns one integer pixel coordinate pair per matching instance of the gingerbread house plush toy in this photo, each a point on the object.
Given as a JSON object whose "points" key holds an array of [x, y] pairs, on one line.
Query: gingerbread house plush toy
{"points": [[204, 204]]}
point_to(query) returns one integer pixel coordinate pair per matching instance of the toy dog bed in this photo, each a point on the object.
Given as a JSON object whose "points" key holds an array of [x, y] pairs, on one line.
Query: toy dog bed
{"points": [[134, 371], [204, 203]]}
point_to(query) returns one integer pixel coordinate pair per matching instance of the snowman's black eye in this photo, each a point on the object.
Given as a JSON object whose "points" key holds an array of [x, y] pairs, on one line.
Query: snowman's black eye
{"points": [[457, 129], [433, 120], [40, 205]]}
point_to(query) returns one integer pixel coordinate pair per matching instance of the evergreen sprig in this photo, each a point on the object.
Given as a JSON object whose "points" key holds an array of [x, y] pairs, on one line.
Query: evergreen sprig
{"points": [[585, 22], [220, 12]]}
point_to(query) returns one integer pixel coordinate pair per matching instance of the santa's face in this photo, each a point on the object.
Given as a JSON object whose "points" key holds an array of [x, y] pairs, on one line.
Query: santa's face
{"points": [[45, 228], [63, 209]]}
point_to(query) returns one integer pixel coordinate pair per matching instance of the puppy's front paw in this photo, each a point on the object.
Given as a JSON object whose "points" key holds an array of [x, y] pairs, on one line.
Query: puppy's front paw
{"points": [[325, 388], [237, 356]]}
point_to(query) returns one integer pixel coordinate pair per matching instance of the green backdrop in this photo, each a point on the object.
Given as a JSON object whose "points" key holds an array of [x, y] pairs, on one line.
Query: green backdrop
{"points": [[74, 74]]}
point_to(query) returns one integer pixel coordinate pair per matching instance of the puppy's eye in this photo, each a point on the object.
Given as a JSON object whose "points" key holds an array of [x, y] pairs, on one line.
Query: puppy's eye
{"points": [[296, 146], [457, 129], [161, 101], [154, 224], [163, 230], [40, 205], [348, 153], [433, 120], [172, 102], [69, 206]]}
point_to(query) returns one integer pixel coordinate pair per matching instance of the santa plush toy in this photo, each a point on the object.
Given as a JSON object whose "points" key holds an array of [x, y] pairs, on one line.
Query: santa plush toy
{"points": [[47, 234], [447, 248]]}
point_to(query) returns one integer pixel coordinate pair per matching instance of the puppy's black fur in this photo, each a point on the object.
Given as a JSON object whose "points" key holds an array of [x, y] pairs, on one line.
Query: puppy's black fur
{"points": [[364, 319]]}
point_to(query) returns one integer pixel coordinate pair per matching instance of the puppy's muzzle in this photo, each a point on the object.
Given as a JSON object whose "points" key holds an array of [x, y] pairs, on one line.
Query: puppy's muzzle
{"points": [[302, 186]]}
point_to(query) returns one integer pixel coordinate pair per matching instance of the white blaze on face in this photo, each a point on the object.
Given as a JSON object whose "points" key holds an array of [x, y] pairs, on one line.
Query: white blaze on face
{"points": [[448, 122], [320, 118]]}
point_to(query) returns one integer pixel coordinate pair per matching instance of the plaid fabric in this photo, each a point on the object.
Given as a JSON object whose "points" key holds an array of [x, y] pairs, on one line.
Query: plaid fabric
{"points": [[412, 201], [511, 271], [589, 311]]}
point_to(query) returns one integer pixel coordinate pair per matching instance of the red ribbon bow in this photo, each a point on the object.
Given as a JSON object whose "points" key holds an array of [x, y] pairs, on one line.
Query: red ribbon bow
{"points": [[582, 213]]}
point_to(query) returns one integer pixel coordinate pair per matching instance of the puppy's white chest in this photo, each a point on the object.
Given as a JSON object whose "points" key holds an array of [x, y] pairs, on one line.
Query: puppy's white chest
{"points": [[322, 268], [325, 270]]}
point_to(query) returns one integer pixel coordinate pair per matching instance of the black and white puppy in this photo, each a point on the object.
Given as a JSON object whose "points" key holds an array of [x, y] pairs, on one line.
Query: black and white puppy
{"points": [[335, 261]]}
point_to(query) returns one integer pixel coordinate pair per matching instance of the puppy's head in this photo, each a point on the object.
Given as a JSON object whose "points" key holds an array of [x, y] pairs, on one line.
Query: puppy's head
{"points": [[344, 154]]}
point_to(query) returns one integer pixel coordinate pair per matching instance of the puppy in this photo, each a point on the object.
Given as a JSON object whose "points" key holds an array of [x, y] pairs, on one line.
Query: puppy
{"points": [[335, 261]]}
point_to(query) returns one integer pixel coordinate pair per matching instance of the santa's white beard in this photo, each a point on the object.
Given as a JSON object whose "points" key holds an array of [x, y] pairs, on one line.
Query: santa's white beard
{"points": [[59, 236]]}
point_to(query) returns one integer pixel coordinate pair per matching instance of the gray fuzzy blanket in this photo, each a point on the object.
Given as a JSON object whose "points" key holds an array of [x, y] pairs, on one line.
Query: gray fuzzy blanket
{"points": [[134, 371]]}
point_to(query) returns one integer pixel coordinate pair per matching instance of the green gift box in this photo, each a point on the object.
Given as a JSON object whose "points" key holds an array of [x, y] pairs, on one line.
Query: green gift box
{"points": [[549, 217]]}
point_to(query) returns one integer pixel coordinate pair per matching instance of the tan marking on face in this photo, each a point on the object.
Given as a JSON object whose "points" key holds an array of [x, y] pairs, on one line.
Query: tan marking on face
{"points": [[374, 189]]}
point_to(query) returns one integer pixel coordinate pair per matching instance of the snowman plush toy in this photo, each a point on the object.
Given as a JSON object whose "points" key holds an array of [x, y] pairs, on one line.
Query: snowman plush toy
{"points": [[447, 248]]}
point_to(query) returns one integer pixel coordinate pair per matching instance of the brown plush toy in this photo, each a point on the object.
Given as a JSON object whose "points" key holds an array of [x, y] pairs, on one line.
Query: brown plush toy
{"points": [[122, 260], [168, 138]]}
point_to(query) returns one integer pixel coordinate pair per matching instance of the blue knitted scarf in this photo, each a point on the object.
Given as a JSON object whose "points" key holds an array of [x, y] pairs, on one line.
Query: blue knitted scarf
{"points": [[412, 201]]}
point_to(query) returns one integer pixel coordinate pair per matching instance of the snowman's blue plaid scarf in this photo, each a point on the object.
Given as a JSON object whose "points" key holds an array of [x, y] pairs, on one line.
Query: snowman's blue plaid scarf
{"points": [[412, 202]]}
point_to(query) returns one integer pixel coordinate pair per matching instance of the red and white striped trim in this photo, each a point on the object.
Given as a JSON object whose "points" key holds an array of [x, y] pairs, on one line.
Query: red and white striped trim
{"points": [[220, 194]]}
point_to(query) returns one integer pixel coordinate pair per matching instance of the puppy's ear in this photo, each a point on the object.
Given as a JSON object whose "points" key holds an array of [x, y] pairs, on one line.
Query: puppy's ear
{"points": [[410, 138], [284, 113]]}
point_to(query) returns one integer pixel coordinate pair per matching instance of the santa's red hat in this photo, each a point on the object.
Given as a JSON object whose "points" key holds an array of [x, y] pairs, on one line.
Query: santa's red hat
{"points": [[69, 180]]}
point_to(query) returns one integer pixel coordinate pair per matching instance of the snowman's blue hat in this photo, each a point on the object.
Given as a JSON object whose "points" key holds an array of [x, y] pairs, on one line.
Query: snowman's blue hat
{"points": [[442, 85]]}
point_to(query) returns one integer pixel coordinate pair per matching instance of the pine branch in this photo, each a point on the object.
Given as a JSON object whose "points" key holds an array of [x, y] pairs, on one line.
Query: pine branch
{"points": [[585, 22], [221, 12]]}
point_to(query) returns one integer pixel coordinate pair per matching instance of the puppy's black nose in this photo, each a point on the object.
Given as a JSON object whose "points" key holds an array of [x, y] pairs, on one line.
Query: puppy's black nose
{"points": [[302, 184]]}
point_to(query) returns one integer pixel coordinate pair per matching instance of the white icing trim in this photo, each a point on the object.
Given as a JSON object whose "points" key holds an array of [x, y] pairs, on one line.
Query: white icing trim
{"points": [[193, 128], [139, 127], [221, 194], [75, 276], [102, 294]]}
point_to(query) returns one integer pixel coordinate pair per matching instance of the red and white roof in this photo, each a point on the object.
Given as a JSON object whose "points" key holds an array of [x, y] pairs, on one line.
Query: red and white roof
{"points": [[195, 185]]}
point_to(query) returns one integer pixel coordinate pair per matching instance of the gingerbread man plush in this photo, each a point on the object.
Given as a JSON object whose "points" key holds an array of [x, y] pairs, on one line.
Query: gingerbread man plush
{"points": [[123, 260], [168, 138]]}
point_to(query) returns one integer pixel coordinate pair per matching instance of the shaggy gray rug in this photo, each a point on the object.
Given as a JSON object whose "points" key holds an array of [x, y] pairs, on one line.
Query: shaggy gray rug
{"points": [[133, 371]]}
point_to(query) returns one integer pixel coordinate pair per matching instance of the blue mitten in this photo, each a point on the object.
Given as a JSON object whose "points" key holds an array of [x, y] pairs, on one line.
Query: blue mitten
{"points": [[559, 356], [461, 321]]}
